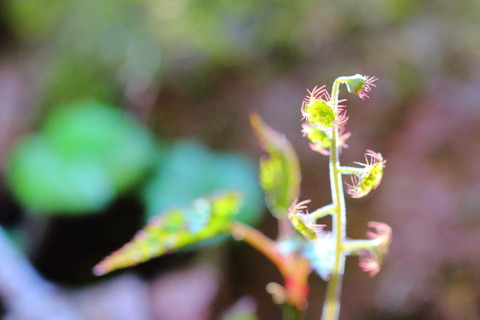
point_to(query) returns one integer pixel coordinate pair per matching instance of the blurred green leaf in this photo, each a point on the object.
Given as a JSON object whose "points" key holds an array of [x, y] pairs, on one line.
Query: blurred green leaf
{"points": [[46, 182], [111, 48], [20, 14], [91, 130], [189, 170], [83, 157], [204, 219], [280, 171]]}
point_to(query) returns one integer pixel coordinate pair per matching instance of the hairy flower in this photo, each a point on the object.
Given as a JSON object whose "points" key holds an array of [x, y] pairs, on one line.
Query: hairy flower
{"points": [[360, 85], [367, 84], [319, 111], [370, 260], [382, 234], [320, 140], [369, 176], [302, 221]]}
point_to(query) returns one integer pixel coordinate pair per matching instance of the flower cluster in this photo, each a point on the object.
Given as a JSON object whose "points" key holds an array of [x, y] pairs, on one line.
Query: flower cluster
{"points": [[368, 177], [324, 126]]}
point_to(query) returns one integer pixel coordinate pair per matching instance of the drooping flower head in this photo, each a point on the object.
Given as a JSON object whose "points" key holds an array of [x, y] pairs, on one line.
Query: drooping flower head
{"points": [[368, 262], [369, 176], [371, 260], [319, 112], [360, 85]]}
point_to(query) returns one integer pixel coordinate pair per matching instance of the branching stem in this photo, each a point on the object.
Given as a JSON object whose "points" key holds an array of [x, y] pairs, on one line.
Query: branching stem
{"points": [[260, 242], [350, 170], [323, 211], [353, 246]]}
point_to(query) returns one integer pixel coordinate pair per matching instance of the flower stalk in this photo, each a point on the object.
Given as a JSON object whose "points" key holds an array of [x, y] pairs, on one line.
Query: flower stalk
{"points": [[325, 128], [332, 301], [318, 249]]}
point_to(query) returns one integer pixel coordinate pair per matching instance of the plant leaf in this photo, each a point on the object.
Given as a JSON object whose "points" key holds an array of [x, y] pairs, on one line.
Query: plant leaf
{"points": [[279, 171], [206, 218]]}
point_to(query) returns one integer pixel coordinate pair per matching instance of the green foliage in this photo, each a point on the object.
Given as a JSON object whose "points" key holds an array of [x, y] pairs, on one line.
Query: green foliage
{"points": [[95, 48], [206, 218], [45, 182], [85, 154], [92, 130], [189, 170], [280, 171], [104, 49]]}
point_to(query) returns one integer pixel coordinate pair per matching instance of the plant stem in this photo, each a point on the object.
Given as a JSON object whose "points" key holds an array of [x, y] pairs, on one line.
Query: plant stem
{"points": [[331, 308], [260, 242], [323, 211], [294, 269], [353, 246], [350, 170]]}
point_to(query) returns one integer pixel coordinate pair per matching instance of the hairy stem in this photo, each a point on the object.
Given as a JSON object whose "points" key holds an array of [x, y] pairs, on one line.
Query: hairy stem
{"points": [[354, 246], [323, 211], [350, 170], [331, 308]]}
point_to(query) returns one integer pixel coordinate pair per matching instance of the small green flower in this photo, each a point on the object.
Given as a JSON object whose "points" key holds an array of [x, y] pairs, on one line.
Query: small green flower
{"points": [[360, 85], [321, 139], [319, 112], [302, 221], [369, 176]]}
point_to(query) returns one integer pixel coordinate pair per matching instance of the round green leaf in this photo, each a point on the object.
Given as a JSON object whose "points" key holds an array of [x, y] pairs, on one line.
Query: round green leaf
{"points": [[45, 182]]}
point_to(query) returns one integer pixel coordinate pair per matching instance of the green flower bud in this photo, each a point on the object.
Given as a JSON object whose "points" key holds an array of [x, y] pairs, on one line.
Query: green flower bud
{"points": [[319, 111], [369, 176], [316, 136], [359, 85]]}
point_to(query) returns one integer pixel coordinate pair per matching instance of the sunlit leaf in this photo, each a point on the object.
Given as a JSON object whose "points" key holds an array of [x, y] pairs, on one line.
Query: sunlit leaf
{"points": [[279, 171], [204, 219]]}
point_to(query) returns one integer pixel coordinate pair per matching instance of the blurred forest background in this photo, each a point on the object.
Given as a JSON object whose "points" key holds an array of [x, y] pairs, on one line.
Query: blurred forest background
{"points": [[114, 110]]}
